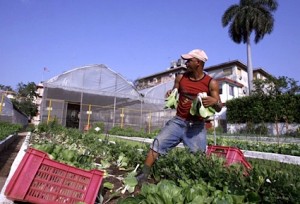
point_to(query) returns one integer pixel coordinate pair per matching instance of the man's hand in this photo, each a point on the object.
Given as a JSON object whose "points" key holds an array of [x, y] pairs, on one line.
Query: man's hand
{"points": [[209, 101], [168, 93]]}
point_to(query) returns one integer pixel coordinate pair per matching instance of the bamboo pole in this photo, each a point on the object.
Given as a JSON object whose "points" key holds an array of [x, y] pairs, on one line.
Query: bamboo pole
{"points": [[49, 111], [122, 117], [149, 123], [89, 116], [1, 104]]}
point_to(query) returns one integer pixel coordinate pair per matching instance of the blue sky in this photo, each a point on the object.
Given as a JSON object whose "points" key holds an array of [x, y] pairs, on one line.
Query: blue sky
{"points": [[135, 38]]}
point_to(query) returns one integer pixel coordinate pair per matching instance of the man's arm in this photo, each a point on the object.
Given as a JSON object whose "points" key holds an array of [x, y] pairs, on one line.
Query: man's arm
{"points": [[176, 84], [214, 99]]}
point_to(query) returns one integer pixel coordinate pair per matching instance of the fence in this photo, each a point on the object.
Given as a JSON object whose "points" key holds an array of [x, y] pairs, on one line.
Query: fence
{"points": [[84, 116]]}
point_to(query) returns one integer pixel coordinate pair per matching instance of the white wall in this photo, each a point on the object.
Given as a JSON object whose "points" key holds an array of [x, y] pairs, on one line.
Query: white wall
{"points": [[281, 128]]}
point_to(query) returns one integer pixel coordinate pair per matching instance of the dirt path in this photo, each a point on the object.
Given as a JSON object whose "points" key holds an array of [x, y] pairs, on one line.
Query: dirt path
{"points": [[7, 157]]}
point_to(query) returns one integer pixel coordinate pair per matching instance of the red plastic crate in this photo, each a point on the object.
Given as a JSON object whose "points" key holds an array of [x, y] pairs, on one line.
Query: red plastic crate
{"points": [[231, 154], [39, 179]]}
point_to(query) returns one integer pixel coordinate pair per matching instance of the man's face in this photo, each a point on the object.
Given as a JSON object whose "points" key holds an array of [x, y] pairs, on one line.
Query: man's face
{"points": [[192, 64]]}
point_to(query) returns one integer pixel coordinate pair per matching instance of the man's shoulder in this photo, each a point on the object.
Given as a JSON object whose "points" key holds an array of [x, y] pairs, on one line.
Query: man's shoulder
{"points": [[206, 75], [179, 76]]}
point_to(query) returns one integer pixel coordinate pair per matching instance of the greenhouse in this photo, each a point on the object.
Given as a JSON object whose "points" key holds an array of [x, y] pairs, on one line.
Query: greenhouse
{"points": [[9, 113], [83, 96], [156, 94]]}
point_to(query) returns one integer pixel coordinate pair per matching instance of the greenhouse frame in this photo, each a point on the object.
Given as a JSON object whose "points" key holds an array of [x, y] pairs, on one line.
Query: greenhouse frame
{"points": [[84, 96]]}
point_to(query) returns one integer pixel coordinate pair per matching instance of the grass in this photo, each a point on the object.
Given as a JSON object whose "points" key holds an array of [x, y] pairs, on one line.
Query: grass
{"points": [[129, 142]]}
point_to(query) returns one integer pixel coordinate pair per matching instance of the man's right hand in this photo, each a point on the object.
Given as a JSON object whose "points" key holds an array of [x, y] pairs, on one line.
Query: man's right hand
{"points": [[168, 93]]}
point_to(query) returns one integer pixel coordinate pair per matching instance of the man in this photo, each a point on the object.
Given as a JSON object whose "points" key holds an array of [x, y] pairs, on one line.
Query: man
{"points": [[185, 127]]}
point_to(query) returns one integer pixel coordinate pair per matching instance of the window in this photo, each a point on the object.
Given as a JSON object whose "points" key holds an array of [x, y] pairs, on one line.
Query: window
{"points": [[239, 73], [220, 88], [230, 91], [227, 71], [220, 91], [257, 76]]}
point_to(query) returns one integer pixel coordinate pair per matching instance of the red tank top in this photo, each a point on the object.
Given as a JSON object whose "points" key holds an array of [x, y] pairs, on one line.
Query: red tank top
{"points": [[188, 90]]}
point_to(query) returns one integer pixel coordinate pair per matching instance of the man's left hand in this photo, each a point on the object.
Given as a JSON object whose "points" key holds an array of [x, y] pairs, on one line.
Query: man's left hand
{"points": [[209, 101]]}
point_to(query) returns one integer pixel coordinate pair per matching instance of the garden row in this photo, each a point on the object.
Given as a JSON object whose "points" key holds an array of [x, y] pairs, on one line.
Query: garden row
{"points": [[184, 177]]}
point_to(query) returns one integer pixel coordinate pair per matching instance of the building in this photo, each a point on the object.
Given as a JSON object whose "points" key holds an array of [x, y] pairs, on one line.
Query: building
{"points": [[84, 96], [161, 77], [38, 100], [232, 77]]}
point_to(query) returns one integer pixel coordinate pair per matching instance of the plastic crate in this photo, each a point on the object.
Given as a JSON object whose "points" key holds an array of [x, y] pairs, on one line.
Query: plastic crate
{"points": [[39, 179], [231, 154]]}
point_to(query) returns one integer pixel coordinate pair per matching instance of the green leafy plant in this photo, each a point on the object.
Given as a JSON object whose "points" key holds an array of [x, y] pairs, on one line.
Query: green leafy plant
{"points": [[7, 129], [194, 178]]}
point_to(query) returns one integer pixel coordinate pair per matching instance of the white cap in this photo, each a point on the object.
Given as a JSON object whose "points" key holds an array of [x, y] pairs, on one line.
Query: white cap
{"points": [[197, 53]]}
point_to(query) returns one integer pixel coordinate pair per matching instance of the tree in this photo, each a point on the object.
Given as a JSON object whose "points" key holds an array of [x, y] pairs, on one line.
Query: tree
{"points": [[6, 88], [26, 90], [246, 17], [281, 96], [26, 94], [276, 86]]}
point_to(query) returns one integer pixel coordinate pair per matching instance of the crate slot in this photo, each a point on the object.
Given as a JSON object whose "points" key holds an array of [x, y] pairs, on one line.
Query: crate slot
{"points": [[38, 179]]}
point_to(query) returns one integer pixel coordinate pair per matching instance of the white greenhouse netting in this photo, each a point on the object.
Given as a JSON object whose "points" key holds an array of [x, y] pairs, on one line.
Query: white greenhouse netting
{"points": [[9, 113], [156, 94], [84, 96], [6, 106], [94, 79]]}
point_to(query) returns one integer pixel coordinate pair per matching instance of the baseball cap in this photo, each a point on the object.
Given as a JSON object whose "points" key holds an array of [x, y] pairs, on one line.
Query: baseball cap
{"points": [[197, 53]]}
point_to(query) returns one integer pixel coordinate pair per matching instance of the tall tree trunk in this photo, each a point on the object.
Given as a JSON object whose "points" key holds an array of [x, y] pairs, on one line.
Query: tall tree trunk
{"points": [[249, 66]]}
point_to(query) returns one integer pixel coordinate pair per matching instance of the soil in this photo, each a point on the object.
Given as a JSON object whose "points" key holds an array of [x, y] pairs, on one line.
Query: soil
{"points": [[117, 184], [108, 194], [8, 155]]}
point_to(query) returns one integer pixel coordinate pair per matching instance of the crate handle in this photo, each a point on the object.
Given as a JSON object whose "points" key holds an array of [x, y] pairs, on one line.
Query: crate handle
{"points": [[219, 150]]}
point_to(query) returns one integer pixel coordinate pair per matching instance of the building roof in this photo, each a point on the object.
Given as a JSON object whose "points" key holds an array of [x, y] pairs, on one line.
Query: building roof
{"points": [[94, 79], [226, 64], [171, 70], [230, 81], [262, 71]]}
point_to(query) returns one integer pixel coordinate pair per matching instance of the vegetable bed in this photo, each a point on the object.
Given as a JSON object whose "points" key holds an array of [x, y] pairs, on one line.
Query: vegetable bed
{"points": [[7, 129], [179, 177]]}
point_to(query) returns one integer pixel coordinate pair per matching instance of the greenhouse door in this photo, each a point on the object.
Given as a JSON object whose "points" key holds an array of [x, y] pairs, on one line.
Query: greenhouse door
{"points": [[73, 111]]}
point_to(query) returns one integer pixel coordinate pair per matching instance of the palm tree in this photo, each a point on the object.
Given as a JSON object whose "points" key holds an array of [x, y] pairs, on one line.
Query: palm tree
{"points": [[246, 17]]}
